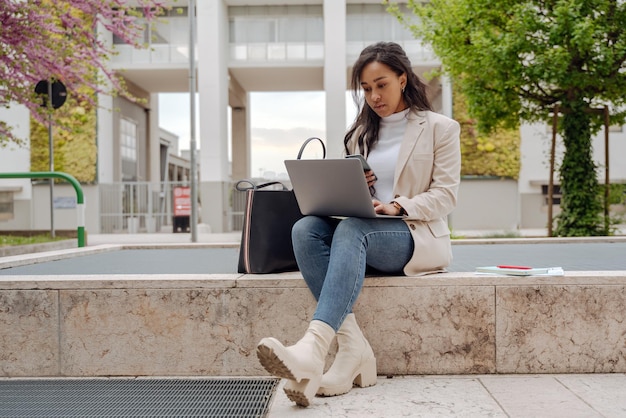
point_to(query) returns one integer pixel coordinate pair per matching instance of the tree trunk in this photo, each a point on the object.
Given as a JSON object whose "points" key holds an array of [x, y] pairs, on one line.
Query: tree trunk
{"points": [[580, 205]]}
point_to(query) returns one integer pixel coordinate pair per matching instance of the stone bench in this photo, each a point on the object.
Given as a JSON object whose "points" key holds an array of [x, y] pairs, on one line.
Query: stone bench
{"points": [[450, 323]]}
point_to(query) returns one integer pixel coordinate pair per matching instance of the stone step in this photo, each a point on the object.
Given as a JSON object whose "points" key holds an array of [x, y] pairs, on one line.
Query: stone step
{"points": [[450, 323]]}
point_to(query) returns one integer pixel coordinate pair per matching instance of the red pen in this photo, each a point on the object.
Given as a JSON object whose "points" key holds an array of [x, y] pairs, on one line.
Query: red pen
{"points": [[515, 267]]}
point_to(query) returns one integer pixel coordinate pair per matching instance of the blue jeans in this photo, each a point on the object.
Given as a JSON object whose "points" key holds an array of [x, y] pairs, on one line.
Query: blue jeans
{"points": [[333, 256]]}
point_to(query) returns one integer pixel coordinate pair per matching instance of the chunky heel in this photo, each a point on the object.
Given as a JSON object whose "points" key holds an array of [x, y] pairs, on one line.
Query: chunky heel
{"points": [[367, 374], [303, 392], [354, 363]]}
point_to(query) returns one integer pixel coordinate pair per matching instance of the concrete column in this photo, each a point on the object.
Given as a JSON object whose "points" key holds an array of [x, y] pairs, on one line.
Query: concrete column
{"points": [[241, 143], [105, 120], [240, 130], [154, 160], [104, 126], [335, 74], [446, 96], [154, 142], [212, 46]]}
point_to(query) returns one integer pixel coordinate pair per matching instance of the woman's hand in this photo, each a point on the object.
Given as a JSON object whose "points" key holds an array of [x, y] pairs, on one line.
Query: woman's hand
{"points": [[385, 208], [370, 178]]}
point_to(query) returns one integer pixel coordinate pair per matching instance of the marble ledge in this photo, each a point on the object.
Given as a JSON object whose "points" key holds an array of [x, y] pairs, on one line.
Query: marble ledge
{"points": [[120, 281], [292, 280], [591, 278], [475, 279]]}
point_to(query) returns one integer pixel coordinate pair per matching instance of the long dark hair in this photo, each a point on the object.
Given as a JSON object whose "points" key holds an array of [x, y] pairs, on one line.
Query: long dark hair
{"points": [[392, 55]]}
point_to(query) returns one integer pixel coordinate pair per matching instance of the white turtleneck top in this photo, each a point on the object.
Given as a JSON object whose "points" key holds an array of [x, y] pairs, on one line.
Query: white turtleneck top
{"points": [[384, 157]]}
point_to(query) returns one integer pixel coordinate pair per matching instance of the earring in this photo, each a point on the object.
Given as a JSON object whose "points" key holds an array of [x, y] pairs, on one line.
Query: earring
{"points": [[403, 87]]}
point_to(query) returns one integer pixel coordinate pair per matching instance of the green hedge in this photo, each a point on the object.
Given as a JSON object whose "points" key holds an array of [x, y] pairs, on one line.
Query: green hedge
{"points": [[497, 154]]}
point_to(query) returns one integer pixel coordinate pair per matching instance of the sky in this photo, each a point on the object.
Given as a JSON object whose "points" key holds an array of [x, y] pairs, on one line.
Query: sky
{"points": [[280, 122]]}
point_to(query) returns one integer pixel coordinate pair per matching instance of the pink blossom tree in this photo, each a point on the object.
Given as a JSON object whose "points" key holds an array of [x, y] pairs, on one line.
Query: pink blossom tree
{"points": [[58, 40]]}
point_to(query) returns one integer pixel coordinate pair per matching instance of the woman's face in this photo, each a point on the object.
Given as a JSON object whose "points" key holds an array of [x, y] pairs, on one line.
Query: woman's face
{"points": [[383, 89]]}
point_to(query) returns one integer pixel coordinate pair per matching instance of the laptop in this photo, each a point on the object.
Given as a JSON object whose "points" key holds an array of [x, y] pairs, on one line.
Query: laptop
{"points": [[332, 187]]}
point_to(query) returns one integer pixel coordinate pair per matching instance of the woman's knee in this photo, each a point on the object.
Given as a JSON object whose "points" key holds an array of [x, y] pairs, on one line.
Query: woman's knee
{"points": [[307, 227], [351, 226], [301, 227]]}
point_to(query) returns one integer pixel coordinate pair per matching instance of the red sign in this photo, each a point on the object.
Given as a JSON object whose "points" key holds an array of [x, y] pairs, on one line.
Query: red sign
{"points": [[182, 201]]}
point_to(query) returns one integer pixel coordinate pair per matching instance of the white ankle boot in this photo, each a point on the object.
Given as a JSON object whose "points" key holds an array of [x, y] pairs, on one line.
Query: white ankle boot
{"points": [[303, 363], [354, 363]]}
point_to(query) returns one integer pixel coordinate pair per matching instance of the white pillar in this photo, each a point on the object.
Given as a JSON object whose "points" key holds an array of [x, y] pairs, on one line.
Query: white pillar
{"points": [[446, 96], [335, 74], [104, 133], [212, 46], [154, 141], [104, 126], [241, 143], [240, 131]]}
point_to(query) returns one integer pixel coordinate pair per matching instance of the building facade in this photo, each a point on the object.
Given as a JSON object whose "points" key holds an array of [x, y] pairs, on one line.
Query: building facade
{"points": [[261, 46], [245, 46]]}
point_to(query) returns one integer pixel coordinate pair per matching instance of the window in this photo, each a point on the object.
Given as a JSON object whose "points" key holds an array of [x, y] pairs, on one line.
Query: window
{"points": [[556, 194], [269, 24], [128, 149], [158, 32], [6, 206], [371, 22]]}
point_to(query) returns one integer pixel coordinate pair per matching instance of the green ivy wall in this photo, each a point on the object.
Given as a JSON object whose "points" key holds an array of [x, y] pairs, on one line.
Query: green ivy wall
{"points": [[74, 136], [497, 154]]}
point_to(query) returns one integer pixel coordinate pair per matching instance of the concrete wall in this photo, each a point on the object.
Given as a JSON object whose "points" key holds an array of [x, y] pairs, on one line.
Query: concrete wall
{"points": [[67, 218], [209, 325], [486, 204], [16, 159], [21, 216]]}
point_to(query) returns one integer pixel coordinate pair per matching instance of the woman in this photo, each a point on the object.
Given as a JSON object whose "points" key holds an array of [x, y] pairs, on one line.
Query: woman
{"points": [[415, 158]]}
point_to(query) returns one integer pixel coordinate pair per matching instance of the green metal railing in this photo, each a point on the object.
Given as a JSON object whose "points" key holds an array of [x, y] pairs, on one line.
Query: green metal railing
{"points": [[80, 200]]}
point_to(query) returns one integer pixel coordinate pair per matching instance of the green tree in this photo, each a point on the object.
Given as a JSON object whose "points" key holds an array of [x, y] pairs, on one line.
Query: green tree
{"points": [[58, 39], [516, 60]]}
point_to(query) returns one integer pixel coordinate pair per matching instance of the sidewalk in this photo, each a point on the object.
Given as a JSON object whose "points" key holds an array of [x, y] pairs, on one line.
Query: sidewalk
{"points": [[523, 396]]}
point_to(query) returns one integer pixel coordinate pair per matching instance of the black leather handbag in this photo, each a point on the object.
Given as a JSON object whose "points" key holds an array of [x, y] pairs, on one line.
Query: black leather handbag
{"points": [[269, 215]]}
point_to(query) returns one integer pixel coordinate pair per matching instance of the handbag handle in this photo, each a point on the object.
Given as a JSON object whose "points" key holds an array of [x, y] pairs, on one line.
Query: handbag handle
{"points": [[307, 142], [254, 186], [251, 184]]}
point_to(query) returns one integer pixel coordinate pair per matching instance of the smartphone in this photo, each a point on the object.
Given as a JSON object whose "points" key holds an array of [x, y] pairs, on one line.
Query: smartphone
{"points": [[366, 166]]}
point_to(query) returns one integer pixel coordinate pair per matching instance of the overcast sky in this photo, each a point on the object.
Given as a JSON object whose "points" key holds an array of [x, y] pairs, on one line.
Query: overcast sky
{"points": [[280, 122]]}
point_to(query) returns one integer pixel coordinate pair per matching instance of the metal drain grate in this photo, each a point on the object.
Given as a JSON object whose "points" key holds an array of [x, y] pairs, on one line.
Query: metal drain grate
{"points": [[212, 397]]}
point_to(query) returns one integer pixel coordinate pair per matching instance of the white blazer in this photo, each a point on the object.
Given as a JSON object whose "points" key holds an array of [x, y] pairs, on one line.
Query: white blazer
{"points": [[426, 183]]}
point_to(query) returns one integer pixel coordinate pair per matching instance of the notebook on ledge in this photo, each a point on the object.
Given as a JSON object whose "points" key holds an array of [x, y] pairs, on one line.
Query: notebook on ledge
{"points": [[331, 187]]}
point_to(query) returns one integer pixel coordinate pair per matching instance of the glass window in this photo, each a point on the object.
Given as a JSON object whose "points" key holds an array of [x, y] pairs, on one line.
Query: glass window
{"points": [[315, 29], [260, 30], [265, 24], [237, 33], [128, 148], [371, 22], [167, 25], [292, 29], [6, 205]]}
